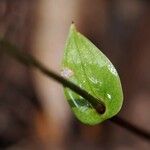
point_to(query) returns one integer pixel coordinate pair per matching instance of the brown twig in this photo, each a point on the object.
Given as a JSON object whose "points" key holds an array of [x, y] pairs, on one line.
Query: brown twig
{"points": [[30, 61], [130, 127]]}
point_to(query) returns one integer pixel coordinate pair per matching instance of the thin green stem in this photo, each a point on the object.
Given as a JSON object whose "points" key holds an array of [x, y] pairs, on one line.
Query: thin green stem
{"points": [[30, 61]]}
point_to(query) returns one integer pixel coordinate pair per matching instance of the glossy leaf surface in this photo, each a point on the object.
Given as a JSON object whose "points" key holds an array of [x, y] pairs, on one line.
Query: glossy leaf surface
{"points": [[86, 66]]}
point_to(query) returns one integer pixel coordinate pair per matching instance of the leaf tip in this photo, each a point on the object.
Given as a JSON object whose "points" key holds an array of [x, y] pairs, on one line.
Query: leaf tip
{"points": [[72, 27]]}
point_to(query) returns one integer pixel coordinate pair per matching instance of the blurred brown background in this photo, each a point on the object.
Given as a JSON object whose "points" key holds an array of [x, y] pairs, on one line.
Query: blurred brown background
{"points": [[33, 112]]}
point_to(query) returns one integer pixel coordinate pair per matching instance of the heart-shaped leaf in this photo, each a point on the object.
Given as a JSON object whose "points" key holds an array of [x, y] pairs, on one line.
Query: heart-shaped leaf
{"points": [[86, 66]]}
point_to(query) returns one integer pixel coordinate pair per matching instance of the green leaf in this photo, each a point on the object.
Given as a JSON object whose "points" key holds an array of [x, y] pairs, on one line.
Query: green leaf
{"points": [[86, 66]]}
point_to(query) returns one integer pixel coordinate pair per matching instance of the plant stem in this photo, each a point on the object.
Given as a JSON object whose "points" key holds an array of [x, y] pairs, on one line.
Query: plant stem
{"points": [[30, 61], [130, 127]]}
